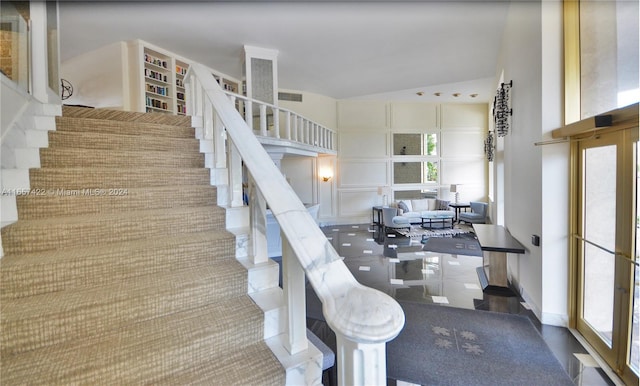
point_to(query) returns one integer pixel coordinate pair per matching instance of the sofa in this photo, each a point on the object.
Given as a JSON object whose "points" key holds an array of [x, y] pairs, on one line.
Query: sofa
{"points": [[425, 211]]}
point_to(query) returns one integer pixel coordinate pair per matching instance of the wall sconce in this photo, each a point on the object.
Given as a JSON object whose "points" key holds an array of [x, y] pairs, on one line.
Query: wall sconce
{"points": [[501, 109], [489, 147], [325, 174]]}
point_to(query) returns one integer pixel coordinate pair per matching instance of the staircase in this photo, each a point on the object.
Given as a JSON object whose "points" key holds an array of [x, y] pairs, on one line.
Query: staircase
{"points": [[120, 270]]}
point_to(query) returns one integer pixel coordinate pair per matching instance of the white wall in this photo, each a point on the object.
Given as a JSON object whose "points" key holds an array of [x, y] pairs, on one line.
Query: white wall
{"points": [[365, 160], [98, 77], [318, 108], [535, 178]]}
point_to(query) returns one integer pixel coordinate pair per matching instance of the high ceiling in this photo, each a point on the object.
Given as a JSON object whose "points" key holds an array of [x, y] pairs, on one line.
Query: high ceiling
{"points": [[389, 50]]}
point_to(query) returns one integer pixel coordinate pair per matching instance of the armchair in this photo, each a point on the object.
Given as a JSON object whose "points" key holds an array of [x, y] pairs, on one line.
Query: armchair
{"points": [[478, 214], [390, 219]]}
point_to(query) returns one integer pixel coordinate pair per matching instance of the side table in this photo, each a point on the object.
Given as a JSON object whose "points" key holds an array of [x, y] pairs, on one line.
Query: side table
{"points": [[376, 215], [457, 206]]}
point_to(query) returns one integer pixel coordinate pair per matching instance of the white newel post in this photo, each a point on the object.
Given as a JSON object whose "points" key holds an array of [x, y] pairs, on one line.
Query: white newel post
{"points": [[258, 223], [360, 363], [294, 295]]}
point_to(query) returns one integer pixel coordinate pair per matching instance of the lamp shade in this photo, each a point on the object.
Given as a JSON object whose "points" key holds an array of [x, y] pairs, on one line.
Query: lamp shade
{"points": [[453, 188]]}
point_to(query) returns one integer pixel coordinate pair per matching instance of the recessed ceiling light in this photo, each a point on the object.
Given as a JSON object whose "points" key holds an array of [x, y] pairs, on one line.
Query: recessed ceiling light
{"points": [[456, 94], [420, 93], [437, 93], [473, 95]]}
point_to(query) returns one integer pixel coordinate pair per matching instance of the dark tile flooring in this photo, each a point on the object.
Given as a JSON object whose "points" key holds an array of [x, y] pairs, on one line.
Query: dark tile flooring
{"points": [[401, 268]]}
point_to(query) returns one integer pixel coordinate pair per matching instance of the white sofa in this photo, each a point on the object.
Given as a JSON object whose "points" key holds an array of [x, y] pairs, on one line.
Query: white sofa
{"points": [[425, 210]]}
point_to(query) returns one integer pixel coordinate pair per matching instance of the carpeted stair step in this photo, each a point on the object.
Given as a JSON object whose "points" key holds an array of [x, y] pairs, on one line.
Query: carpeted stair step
{"points": [[30, 236], [67, 157], [55, 205], [71, 124], [126, 116], [52, 179], [149, 351], [91, 140], [66, 269], [34, 322], [232, 368]]}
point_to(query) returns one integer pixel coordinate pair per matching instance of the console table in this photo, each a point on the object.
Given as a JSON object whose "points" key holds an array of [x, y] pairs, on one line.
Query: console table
{"points": [[495, 242]]}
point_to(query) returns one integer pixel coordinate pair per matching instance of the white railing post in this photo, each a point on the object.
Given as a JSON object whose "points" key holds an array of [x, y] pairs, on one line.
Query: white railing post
{"points": [[263, 120], [294, 295], [258, 223], [295, 128], [235, 176]]}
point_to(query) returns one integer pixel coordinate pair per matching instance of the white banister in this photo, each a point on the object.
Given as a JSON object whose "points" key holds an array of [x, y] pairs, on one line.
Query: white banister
{"points": [[363, 319]]}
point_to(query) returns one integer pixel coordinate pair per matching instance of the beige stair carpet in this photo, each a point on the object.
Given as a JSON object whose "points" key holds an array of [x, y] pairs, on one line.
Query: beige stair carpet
{"points": [[120, 270]]}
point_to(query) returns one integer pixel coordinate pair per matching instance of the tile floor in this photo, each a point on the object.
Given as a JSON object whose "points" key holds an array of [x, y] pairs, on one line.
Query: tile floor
{"points": [[399, 267]]}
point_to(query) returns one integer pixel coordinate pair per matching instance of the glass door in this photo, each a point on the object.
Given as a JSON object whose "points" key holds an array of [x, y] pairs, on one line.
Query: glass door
{"points": [[606, 234]]}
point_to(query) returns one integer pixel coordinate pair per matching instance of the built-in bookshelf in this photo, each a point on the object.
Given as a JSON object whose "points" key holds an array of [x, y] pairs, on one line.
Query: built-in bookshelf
{"points": [[181, 101], [134, 76], [157, 81]]}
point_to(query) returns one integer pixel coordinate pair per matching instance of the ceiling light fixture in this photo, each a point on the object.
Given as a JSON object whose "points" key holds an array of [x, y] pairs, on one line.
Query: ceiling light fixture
{"points": [[420, 93], [473, 95], [437, 93], [456, 94]]}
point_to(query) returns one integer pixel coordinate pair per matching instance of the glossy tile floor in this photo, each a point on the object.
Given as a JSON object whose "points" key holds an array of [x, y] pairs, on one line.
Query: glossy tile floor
{"points": [[398, 266]]}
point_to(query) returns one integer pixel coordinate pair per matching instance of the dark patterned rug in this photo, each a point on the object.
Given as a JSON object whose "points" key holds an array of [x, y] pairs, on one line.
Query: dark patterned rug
{"points": [[442, 345], [461, 245]]}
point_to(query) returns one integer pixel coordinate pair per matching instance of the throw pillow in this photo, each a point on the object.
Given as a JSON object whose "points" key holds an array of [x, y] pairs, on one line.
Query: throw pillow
{"points": [[442, 204], [420, 205], [403, 207]]}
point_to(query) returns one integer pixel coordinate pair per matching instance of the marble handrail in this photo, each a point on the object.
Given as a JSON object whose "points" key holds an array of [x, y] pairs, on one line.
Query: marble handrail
{"points": [[363, 319]]}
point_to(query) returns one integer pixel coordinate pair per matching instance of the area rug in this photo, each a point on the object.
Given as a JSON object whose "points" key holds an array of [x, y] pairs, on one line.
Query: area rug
{"points": [[442, 345], [419, 232], [453, 245]]}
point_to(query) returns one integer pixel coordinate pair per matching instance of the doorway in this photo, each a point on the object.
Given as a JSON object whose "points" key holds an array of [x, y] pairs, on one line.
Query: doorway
{"points": [[606, 247]]}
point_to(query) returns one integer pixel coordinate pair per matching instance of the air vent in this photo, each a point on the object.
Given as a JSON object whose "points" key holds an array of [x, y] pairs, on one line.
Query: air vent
{"points": [[289, 96]]}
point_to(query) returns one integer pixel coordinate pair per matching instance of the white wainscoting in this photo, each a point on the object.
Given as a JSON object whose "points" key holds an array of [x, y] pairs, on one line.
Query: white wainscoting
{"points": [[364, 144], [357, 204], [363, 173], [414, 117], [454, 116], [360, 115], [462, 143]]}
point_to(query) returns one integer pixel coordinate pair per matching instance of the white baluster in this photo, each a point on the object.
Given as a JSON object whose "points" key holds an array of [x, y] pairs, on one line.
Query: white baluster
{"points": [[294, 295], [258, 223], [263, 120], [276, 121], [235, 177], [248, 113], [295, 128], [287, 115]]}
